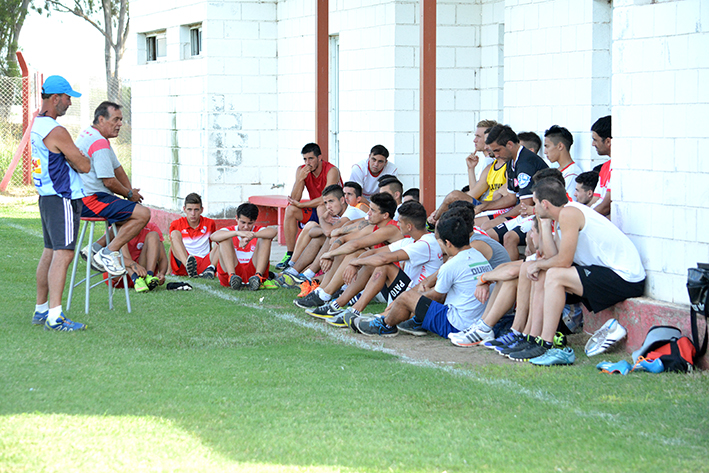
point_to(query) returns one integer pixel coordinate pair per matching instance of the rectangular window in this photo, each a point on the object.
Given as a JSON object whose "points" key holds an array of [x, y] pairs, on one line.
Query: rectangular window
{"points": [[155, 46], [196, 40]]}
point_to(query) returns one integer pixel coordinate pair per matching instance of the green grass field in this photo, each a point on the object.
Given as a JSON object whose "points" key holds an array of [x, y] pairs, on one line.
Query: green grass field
{"points": [[213, 380]]}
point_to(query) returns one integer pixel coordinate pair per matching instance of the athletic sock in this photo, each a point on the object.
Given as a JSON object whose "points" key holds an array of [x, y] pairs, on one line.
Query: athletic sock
{"points": [[134, 277], [355, 311], [289, 253], [334, 304], [290, 270], [41, 307], [54, 314], [516, 332], [325, 296], [97, 247], [309, 273], [150, 273], [484, 326], [546, 345]]}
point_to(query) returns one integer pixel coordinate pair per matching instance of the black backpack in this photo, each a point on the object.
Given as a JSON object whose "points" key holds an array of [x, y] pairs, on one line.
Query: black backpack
{"points": [[698, 288]]}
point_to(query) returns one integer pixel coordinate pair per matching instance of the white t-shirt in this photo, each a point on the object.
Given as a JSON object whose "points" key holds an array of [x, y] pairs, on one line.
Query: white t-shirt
{"points": [[458, 278], [425, 257], [361, 175], [570, 172], [98, 149], [601, 243], [353, 213]]}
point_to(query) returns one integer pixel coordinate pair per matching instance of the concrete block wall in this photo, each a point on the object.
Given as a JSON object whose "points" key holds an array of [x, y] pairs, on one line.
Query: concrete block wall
{"points": [[660, 103], [557, 68], [169, 151]]}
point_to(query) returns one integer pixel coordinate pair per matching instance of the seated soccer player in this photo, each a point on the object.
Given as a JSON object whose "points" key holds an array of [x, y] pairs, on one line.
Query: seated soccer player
{"points": [[244, 251], [191, 251], [383, 230], [601, 135], [354, 197], [451, 305], [368, 171], [530, 140], [409, 195], [389, 184], [314, 236], [145, 259], [394, 268], [596, 261], [586, 183]]}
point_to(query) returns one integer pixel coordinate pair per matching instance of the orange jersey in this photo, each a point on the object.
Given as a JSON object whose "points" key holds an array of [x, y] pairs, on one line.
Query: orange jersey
{"points": [[196, 240]]}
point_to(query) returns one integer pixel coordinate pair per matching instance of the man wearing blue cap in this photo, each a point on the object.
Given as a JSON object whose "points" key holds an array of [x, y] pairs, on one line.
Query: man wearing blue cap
{"points": [[56, 162]]}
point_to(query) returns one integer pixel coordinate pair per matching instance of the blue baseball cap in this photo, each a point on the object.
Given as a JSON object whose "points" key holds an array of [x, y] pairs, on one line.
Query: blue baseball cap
{"points": [[58, 85]]}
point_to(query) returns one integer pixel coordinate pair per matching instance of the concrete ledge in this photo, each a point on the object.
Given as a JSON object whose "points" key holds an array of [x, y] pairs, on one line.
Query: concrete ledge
{"points": [[639, 315]]}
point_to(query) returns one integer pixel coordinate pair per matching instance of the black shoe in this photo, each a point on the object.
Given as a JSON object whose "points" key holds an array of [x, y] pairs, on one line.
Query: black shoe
{"points": [[536, 349], [521, 344], [310, 301], [254, 282], [412, 327], [236, 282], [191, 266], [207, 273]]}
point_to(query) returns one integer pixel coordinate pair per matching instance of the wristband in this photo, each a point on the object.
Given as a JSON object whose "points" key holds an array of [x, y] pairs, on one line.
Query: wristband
{"points": [[482, 281]]}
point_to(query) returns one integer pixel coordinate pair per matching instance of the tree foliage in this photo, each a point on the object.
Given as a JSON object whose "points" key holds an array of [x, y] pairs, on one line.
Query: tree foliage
{"points": [[110, 18], [12, 17]]}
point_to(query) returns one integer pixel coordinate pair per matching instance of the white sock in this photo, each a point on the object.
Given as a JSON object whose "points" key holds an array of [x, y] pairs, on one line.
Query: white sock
{"points": [[485, 326], [97, 247], [324, 296], [41, 307], [291, 270], [54, 314], [516, 332], [309, 273]]}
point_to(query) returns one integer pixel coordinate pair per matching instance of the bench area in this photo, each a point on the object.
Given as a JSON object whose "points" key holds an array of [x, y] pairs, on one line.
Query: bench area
{"points": [[271, 211]]}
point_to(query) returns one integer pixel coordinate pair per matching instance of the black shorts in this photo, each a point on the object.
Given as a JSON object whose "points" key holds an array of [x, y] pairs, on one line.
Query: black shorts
{"points": [[603, 288], [60, 221], [398, 286], [501, 229]]}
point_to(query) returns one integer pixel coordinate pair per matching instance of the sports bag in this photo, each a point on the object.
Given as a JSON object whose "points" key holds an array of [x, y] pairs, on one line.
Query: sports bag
{"points": [[698, 288], [678, 355]]}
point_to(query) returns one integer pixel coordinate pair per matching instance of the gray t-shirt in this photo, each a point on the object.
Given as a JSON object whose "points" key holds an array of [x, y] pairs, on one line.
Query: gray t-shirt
{"points": [[499, 253], [103, 160], [458, 278]]}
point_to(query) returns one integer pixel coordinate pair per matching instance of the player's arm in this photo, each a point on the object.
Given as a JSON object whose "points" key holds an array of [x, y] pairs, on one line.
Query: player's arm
{"points": [[59, 140], [300, 174], [571, 221], [223, 234], [548, 243], [502, 203], [333, 177], [349, 227], [266, 233], [478, 188], [386, 233], [604, 207], [380, 258], [132, 267]]}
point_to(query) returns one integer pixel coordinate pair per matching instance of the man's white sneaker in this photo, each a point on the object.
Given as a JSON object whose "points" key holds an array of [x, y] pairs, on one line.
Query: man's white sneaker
{"points": [[471, 337], [610, 333], [110, 262]]}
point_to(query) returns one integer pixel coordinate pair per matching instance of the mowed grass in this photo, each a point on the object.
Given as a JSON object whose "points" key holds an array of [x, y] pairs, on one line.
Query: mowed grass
{"points": [[214, 380]]}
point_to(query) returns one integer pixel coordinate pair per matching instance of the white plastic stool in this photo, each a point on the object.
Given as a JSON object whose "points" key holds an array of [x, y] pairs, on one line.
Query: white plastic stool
{"points": [[90, 221]]}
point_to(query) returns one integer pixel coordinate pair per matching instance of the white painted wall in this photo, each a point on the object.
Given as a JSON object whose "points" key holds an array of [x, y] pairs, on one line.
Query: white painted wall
{"points": [[660, 109]]}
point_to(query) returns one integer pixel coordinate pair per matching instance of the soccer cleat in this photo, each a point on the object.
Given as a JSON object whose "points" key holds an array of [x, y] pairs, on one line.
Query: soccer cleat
{"points": [[652, 366], [236, 282], [337, 321], [207, 273], [191, 266], [310, 301], [109, 262], [64, 325], [325, 311], [555, 356], [521, 343], [471, 337], [39, 318], [152, 281], [269, 284], [501, 341], [284, 262], [140, 285], [306, 287], [348, 317], [536, 349], [85, 256], [412, 327], [619, 367], [610, 333], [373, 326], [254, 282], [288, 280]]}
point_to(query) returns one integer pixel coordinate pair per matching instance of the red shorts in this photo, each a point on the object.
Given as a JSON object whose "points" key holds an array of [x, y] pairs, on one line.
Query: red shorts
{"points": [[179, 269], [118, 281], [244, 271]]}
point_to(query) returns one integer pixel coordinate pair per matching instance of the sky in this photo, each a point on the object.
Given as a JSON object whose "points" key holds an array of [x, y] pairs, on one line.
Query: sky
{"points": [[62, 44]]}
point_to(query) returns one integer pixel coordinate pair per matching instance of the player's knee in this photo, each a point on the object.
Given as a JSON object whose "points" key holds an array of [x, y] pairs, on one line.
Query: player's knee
{"points": [[141, 213], [511, 239]]}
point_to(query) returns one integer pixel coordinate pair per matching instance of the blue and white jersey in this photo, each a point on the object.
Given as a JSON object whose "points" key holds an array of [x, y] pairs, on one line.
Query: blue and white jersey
{"points": [[51, 172]]}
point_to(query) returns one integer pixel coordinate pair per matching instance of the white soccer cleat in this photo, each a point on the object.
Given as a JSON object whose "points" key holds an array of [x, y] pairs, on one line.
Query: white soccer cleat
{"points": [[610, 333]]}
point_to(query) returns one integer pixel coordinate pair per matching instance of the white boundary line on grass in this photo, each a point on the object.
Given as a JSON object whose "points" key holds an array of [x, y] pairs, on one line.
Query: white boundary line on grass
{"points": [[341, 338]]}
